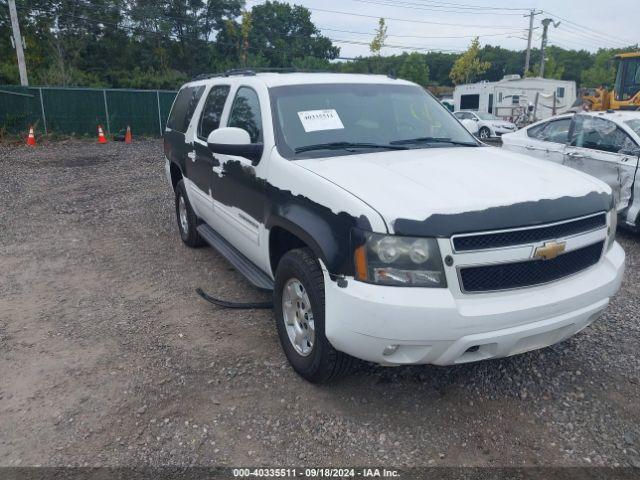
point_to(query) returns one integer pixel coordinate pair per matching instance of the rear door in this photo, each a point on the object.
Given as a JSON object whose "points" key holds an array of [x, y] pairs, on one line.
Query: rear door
{"points": [[594, 146], [204, 161], [554, 138], [176, 147], [540, 141]]}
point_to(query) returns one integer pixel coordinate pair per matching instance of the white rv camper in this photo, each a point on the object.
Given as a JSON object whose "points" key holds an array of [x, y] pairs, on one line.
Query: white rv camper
{"points": [[520, 100]]}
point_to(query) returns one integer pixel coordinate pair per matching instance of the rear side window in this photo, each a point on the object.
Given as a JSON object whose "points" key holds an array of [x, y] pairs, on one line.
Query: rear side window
{"points": [[183, 108], [536, 132], [245, 113], [556, 131], [212, 111]]}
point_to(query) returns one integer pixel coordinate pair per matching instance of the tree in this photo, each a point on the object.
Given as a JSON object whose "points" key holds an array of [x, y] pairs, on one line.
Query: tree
{"points": [[602, 72], [552, 68], [468, 66], [379, 38], [285, 33], [414, 68], [162, 43]]}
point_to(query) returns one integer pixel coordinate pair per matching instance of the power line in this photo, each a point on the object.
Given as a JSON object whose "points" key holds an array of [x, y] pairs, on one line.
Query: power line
{"points": [[472, 7], [353, 14], [257, 49], [404, 47], [591, 30], [579, 41], [569, 30], [422, 36], [419, 6]]}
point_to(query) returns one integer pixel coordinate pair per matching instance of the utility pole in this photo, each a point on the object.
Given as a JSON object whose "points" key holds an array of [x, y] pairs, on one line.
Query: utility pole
{"points": [[527, 60], [545, 30], [17, 39]]}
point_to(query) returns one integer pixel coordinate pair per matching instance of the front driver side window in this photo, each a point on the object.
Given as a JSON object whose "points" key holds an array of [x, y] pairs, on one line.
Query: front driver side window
{"points": [[599, 134], [245, 113]]}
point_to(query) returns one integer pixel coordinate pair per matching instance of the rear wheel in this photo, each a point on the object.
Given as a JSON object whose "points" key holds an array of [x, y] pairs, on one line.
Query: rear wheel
{"points": [[187, 220], [299, 309], [484, 132]]}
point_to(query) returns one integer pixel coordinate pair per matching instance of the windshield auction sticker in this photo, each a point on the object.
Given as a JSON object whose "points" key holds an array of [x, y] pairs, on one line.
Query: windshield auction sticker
{"points": [[317, 120]]}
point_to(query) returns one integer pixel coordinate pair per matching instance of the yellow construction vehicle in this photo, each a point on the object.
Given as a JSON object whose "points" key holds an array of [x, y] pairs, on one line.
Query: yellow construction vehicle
{"points": [[626, 91]]}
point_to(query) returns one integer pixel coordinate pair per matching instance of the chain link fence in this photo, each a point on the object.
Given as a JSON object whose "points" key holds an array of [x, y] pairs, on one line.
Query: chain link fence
{"points": [[78, 111]]}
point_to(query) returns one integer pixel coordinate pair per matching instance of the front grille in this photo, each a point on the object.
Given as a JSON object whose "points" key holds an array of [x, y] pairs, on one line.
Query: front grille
{"points": [[484, 241], [528, 273]]}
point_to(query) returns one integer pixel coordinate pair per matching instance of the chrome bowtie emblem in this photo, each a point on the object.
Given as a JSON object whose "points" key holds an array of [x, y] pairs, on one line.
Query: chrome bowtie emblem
{"points": [[549, 250]]}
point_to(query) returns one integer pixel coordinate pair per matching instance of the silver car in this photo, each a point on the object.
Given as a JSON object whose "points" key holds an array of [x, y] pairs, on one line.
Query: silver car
{"points": [[603, 144]]}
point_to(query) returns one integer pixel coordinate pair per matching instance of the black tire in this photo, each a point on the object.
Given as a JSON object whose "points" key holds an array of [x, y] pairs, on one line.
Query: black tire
{"points": [[189, 235], [484, 132], [324, 363]]}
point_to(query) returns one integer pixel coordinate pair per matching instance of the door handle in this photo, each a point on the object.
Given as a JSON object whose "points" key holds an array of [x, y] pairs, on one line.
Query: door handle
{"points": [[192, 155], [529, 147], [574, 154]]}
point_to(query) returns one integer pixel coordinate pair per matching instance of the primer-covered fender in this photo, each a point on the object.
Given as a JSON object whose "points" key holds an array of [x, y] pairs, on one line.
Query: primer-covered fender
{"points": [[318, 212]]}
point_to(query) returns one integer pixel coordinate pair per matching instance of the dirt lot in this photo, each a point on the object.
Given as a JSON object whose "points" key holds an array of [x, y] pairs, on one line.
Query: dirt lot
{"points": [[108, 357]]}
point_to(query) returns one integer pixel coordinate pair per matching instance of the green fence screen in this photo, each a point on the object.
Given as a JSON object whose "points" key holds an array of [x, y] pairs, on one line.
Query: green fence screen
{"points": [[79, 111]]}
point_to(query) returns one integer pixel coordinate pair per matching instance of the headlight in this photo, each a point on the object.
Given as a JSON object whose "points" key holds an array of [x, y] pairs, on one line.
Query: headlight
{"points": [[612, 226], [400, 261]]}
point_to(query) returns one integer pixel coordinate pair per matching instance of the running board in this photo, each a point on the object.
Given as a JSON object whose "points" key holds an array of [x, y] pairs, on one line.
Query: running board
{"points": [[245, 266]]}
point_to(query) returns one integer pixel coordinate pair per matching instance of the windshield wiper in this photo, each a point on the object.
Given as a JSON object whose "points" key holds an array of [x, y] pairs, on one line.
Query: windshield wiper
{"points": [[432, 140], [347, 146]]}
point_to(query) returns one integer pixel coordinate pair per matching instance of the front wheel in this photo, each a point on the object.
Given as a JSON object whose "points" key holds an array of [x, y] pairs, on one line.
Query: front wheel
{"points": [[298, 299], [484, 132]]}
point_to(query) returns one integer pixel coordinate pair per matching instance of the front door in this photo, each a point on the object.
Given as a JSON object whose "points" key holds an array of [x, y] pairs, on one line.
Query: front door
{"points": [[237, 191], [595, 143]]}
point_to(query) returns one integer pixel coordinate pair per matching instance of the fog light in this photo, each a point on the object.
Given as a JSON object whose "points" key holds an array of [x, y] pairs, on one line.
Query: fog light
{"points": [[389, 349]]}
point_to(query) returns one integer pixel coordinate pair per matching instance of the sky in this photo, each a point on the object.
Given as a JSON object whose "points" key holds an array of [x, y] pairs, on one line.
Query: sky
{"points": [[450, 25]]}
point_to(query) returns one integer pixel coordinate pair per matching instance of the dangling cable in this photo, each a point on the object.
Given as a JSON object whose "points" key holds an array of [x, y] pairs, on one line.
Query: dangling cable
{"points": [[237, 305]]}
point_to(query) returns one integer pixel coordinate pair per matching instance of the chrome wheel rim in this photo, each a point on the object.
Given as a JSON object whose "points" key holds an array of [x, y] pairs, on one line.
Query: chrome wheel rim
{"points": [[483, 133], [182, 214], [298, 317]]}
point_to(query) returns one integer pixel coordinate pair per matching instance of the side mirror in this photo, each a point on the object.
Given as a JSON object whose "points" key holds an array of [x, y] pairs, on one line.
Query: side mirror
{"points": [[236, 142]]}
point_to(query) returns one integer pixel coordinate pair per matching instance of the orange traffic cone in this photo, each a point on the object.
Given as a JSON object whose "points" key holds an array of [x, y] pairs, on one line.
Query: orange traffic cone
{"points": [[101, 137], [127, 137], [31, 139]]}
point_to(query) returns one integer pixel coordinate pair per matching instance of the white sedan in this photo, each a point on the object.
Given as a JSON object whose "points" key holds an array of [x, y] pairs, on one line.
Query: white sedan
{"points": [[603, 144], [488, 124]]}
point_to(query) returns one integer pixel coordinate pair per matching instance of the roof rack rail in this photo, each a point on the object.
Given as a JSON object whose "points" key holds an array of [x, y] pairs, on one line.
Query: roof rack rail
{"points": [[246, 72], [252, 71]]}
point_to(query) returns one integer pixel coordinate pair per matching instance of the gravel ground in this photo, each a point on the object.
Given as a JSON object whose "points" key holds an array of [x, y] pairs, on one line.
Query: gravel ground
{"points": [[108, 356]]}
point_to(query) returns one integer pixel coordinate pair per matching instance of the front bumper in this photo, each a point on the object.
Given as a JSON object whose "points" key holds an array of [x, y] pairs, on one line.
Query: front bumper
{"points": [[439, 327]]}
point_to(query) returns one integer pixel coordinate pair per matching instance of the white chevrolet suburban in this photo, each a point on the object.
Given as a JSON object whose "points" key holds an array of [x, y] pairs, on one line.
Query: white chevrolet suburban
{"points": [[386, 231]]}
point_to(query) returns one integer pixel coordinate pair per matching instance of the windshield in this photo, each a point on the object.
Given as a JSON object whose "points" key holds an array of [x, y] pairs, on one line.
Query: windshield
{"points": [[342, 119], [487, 116], [634, 124]]}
